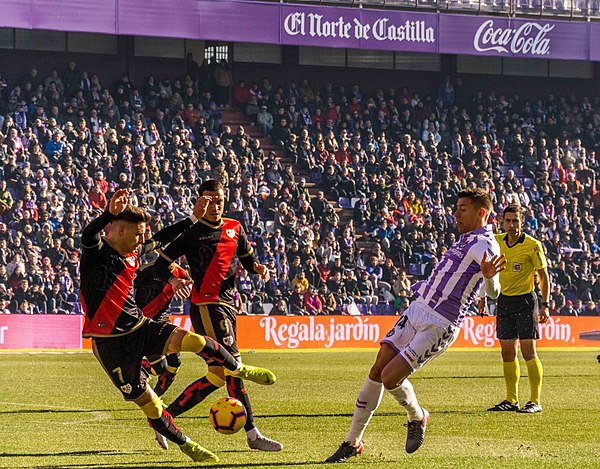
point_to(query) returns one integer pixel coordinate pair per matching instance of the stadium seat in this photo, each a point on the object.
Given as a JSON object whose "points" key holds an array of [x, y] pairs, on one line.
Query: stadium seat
{"points": [[344, 202], [417, 270]]}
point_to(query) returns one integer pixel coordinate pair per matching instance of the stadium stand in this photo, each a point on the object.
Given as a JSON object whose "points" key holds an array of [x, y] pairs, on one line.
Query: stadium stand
{"points": [[346, 193]]}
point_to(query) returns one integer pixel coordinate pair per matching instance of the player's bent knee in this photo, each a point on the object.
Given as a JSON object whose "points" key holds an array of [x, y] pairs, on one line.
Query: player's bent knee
{"points": [[150, 404], [385, 355], [193, 343], [174, 360], [389, 381], [216, 379], [394, 374], [159, 368], [375, 373]]}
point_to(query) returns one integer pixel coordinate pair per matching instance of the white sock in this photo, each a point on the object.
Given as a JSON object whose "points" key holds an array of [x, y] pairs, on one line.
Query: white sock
{"points": [[253, 434], [367, 402], [406, 397]]}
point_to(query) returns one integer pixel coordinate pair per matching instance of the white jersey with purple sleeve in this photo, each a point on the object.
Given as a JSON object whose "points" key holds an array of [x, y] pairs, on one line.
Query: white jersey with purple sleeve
{"points": [[457, 279]]}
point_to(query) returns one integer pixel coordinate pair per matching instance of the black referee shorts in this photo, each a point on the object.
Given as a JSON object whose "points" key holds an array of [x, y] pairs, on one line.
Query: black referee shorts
{"points": [[121, 356], [517, 317], [217, 321]]}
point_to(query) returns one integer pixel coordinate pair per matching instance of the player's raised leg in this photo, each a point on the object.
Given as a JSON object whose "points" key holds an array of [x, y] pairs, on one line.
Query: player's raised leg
{"points": [[207, 348], [166, 378], [395, 380], [367, 402]]}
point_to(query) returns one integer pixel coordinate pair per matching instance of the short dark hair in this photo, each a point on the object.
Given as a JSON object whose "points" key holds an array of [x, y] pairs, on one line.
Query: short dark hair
{"points": [[133, 214], [479, 197], [211, 185], [513, 208]]}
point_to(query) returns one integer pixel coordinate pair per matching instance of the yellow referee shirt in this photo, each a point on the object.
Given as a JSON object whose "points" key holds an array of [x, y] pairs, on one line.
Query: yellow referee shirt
{"points": [[522, 260]]}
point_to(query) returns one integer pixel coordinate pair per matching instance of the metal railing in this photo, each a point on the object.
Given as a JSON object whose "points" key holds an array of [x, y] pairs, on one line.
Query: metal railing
{"points": [[576, 9]]}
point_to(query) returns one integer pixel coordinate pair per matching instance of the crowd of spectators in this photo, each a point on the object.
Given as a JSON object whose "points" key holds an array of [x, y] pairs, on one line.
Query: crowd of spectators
{"points": [[393, 160]]}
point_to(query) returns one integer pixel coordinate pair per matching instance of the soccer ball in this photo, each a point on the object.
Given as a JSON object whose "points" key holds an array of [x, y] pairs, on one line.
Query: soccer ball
{"points": [[228, 415]]}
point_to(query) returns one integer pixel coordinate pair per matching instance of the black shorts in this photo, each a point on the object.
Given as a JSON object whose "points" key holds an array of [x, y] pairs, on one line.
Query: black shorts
{"points": [[217, 321], [517, 317], [121, 357]]}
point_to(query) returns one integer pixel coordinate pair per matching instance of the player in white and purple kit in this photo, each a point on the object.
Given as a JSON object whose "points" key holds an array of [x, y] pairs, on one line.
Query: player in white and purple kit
{"points": [[431, 323]]}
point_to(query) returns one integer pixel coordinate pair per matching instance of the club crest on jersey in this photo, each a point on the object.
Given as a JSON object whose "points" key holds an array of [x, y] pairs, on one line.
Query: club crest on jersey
{"points": [[230, 233], [228, 340], [517, 267], [130, 260], [126, 388]]}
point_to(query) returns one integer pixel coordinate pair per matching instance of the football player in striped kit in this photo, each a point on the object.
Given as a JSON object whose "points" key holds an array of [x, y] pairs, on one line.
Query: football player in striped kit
{"points": [[431, 323]]}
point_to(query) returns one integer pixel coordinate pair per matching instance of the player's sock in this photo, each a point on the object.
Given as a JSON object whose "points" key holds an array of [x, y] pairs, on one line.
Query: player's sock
{"points": [[512, 372], [406, 397], [173, 362], [253, 433], [208, 349], [195, 393], [164, 382], [535, 372], [147, 366], [235, 388], [367, 402], [166, 426]]}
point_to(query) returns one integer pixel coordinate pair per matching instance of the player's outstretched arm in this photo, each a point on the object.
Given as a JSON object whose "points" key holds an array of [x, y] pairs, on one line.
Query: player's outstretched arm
{"points": [[169, 233], [201, 206], [90, 237], [182, 287], [490, 268], [118, 201], [261, 270]]}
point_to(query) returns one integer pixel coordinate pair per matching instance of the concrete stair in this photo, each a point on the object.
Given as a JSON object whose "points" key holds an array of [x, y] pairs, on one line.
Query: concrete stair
{"points": [[234, 118]]}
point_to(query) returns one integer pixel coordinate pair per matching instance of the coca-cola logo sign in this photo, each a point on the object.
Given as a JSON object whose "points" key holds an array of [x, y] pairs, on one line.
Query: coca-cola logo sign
{"points": [[529, 38]]}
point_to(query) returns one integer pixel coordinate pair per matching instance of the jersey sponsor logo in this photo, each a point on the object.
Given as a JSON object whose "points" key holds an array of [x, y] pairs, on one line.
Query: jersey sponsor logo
{"points": [[517, 267], [126, 388], [230, 233]]}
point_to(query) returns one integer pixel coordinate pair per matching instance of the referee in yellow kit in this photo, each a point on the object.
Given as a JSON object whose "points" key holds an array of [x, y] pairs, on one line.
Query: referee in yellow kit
{"points": [[518, 312]]}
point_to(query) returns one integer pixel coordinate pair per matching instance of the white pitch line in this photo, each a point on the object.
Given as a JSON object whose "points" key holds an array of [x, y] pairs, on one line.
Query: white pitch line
{"points": [[97, 415]]}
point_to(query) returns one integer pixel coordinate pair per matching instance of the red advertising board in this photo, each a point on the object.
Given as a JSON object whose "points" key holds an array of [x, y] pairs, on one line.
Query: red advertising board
{"points": [[37, 331]]}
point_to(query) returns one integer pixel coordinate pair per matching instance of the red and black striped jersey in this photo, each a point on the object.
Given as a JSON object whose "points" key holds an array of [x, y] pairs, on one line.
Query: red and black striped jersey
{"points": [[107, 279], [153, 292], [210, 250]]}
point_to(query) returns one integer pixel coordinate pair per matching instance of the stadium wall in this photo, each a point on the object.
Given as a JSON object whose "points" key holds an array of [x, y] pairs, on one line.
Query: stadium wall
{"points": [[293, 332], [313, 25]]}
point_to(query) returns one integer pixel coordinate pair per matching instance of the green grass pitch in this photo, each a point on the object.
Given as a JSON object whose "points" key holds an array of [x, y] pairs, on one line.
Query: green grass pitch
{"points": [[61, 411]]}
